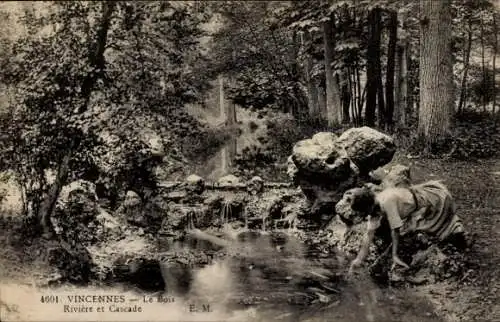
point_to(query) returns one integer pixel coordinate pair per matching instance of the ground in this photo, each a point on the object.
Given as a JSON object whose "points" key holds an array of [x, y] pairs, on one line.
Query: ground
{"points": [[476, 188]]}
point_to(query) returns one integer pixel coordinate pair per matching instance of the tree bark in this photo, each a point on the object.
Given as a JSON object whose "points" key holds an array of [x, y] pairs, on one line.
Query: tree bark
{"points": [[398, 84], [321, 101], [333, 104], [345, 96], [436, 72], [222, 108], [402, 95], [483, 65], [407, 85], [373, 72], [312, 92], [494, 67], [463, 85], [391, 60], [97, 61]]}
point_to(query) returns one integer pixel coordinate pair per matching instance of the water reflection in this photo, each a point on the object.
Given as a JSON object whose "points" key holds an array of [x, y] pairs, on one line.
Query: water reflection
{"points": [[273, 276]]}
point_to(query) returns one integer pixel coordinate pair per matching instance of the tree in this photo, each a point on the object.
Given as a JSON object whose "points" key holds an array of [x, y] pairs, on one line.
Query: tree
{"points": [[373, 69], [90, 69], [391, 62], [333, 102], [436, 72]]}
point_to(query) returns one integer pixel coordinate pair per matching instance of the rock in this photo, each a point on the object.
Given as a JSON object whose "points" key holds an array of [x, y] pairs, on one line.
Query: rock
{"points": [[255, 185], [325, 166], [75, 215], [82, 188], [229, 180], [195, 184], [121, 257], [398, 176], [367, 147], [320, 155], [108, 225], [131, 199], [177, 195], [322, 170], [154, 143]]}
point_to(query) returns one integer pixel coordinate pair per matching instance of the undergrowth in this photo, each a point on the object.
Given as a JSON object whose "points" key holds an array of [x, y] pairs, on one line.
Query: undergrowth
{"points": [[269, 160], [475, 135]]}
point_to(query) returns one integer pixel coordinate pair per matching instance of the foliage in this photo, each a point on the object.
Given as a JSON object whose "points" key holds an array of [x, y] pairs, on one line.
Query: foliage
{"points": [[474, 136], [144, 75], [269, 160]]}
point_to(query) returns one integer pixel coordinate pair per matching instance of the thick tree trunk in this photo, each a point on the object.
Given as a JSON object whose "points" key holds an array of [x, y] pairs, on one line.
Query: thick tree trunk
{"points": [[333, 104], [373, 70], [97, 61], [436, 72], [463, 85], [391, 58]]}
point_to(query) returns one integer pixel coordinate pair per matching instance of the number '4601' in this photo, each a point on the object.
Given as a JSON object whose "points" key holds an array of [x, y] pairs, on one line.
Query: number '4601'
{"points": [[49, 299]]}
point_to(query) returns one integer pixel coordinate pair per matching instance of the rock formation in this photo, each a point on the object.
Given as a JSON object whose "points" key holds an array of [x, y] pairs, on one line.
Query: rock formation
{"points": [[325, 166]]}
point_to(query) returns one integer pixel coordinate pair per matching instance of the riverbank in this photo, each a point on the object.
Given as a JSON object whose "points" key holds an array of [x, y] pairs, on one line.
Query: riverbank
{"points": [[475, 186]]}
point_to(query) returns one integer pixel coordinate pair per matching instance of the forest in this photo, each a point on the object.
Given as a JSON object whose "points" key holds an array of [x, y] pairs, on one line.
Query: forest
{"points": [[123, 122]]}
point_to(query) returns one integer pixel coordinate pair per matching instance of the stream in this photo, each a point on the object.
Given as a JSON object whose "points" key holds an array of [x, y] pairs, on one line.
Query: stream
{"points": [[271, 278], [260, 280]]}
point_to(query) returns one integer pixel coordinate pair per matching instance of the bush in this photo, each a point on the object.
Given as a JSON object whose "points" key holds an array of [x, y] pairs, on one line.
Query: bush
{"points": [[198, 146], [475, 135], [283, 131]]}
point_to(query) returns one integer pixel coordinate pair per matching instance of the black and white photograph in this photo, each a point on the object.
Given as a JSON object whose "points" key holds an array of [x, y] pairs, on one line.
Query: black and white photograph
{"points": [[250, 161]]}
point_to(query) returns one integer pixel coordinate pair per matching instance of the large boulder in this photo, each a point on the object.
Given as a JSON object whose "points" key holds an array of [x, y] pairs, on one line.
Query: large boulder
{"points": [[320, 155], [367, 148], [325, 166]]}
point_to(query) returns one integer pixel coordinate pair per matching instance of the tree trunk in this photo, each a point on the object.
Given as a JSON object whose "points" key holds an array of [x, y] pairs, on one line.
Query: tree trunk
{"points": [[407, 99], [391, 59], [463, 85], [494, 67], [97, 61], [345, 96], [398, 84], [222, 108], [436, 72], [373, 70], [312, 92], [483, 65], [321, 101], [333, 104], [48, 205]]}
